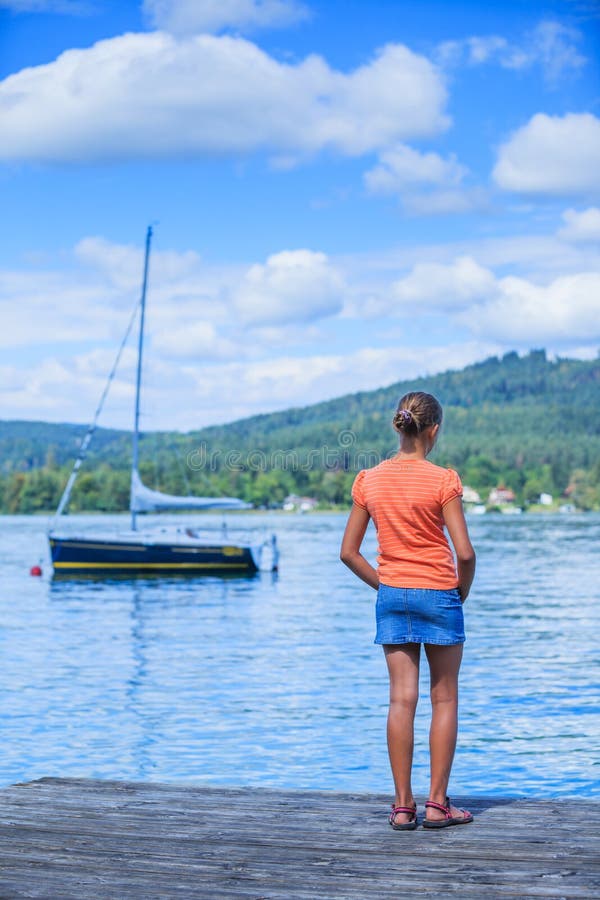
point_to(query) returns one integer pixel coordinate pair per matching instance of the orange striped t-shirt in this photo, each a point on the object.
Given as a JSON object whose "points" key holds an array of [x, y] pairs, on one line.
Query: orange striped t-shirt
{"points": [[405, 497]]}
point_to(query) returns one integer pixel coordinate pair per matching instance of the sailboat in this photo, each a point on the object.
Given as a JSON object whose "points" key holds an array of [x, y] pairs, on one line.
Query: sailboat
{"points": [[184, 550]]}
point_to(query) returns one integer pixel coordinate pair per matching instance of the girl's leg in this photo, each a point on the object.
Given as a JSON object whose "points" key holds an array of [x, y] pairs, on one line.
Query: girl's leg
{"points": [[444, 664], [403, 667]]}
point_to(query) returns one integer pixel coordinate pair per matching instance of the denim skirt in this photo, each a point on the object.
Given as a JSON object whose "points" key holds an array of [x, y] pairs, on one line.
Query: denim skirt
{"points": [[419, 615]]}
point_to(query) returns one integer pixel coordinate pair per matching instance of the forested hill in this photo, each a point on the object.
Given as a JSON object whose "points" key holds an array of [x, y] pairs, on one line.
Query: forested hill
{"points": [[529, 423]]}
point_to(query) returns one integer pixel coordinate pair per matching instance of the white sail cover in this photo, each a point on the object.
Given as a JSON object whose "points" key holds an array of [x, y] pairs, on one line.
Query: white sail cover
{"points": [[144, 499]]}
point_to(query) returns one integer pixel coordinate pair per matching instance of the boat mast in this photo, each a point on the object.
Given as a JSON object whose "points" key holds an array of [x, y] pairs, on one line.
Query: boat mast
{"points": [[138, 382]]}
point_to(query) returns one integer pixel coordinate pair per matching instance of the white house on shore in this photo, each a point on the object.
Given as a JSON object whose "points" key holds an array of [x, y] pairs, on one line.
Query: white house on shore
{"points": [[501, 495], [294, 503], [470, 495]]}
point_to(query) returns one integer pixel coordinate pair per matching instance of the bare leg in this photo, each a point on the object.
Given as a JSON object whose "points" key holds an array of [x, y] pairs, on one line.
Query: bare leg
{"points": [[403, 667], [444, 665]]}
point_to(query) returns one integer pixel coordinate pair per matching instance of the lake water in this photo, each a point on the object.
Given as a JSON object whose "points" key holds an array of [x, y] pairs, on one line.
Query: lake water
{"points": [[275, 680]]}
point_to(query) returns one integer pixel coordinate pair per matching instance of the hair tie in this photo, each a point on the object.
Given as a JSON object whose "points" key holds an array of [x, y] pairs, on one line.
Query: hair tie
{"points": [[405, 416]]}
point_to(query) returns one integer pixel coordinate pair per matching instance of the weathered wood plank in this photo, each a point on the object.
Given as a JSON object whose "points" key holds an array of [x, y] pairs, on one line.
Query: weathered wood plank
{"points": [[73, 838]]}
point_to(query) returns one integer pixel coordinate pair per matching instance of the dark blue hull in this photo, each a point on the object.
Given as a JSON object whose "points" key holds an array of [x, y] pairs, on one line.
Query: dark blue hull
{"points": [[79, 555]]}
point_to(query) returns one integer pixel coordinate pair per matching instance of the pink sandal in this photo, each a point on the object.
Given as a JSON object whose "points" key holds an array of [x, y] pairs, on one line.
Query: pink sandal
{"points": [[404, 826], [450, 819]]}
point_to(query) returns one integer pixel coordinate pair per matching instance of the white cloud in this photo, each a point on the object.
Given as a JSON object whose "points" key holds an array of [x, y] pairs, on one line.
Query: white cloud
{"points": [[63, 390], [44, 306], [562, 312], [299, 381], [225, 342], [153, 96], [463, 294], [293, 286], [193, 311], [122, 264], [429, 288], [581, 226], [555, 46], [551, 45], [191, 16], [483, 49], [539, 257], [471, 51], [191, 396], [197, 340], [92, 298], [445, 202], [401, 168], [426, 183], [552, 155], [444, 287]]}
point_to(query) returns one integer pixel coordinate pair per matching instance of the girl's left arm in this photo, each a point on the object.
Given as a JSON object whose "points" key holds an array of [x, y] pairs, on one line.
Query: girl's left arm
{"points": [[350, 552], [454, 519]]}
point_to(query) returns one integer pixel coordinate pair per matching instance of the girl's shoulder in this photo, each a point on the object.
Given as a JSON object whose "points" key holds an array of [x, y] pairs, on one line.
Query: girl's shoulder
{"points": [[371, 476], [393, 463], [421, 472], [448, 483], [420, 475], [442, 471], [385, 467], [445, 476], [421, 466]]}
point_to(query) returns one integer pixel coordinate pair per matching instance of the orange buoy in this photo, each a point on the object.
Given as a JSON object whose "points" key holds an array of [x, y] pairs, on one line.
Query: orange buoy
{"points": [[35, 570]]}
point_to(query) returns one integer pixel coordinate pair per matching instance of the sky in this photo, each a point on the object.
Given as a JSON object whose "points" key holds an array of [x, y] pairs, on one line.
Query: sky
{"points": [[343, 194]]}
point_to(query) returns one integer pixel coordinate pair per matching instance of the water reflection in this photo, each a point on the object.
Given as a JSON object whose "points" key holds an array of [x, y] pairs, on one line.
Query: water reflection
{"points": [[142, 744]]}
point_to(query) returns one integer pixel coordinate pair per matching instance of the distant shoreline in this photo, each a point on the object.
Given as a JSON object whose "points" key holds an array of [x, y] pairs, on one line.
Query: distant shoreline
{"points": [[539, 510]]}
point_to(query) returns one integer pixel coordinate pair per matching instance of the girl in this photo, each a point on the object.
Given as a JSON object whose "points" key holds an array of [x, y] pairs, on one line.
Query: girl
{"points": [[420, 592]]}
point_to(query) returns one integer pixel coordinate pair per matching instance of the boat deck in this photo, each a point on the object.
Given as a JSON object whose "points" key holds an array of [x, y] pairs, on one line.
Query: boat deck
{"points": [[77, 838]]}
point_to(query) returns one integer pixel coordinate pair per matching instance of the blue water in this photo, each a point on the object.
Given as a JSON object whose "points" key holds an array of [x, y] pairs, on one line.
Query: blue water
{"points": [[275, 680]]}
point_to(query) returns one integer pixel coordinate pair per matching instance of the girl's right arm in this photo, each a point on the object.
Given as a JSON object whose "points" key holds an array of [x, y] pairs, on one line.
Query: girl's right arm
{"points": [[454, 518], [350, 553]]}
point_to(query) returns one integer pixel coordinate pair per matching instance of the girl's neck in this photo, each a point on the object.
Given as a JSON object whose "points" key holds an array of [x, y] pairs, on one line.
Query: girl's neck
{"points": [[403, 455], [413, 448]]}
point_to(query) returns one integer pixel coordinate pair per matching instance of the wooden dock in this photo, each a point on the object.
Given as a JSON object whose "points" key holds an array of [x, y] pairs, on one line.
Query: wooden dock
{"points": [[75, 838]]}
